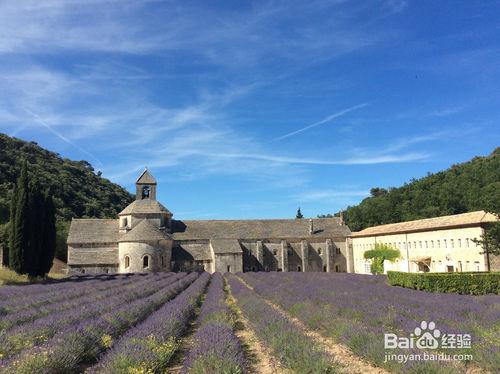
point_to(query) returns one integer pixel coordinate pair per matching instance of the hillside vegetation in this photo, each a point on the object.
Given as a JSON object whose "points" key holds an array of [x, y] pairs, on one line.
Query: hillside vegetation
{"points": [[466, 187], [77, 189]]}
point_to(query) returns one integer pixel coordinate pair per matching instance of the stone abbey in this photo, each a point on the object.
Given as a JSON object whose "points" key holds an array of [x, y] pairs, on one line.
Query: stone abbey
{"points": [[145, 237]]}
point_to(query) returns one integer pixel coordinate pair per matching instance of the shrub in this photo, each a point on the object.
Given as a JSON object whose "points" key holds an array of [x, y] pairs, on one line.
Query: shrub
{"points": [[380, 253], [471, 283]]}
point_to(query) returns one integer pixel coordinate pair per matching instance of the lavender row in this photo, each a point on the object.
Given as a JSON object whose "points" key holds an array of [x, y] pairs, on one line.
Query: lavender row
{"points": [[216, 348], [295, 350], [79, 345], [357, 310], [88, 294], [148, 347], [20, 298], [41, 330]]}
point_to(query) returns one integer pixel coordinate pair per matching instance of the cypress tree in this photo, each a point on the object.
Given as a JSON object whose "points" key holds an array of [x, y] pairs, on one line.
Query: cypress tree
{"points": [[19, 237], [36, 225], [8, 232], [299, 214], [48, 235]]}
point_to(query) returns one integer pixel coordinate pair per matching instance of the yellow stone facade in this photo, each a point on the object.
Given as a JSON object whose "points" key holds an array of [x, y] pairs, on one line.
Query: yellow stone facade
{"points": [[435, 246]]}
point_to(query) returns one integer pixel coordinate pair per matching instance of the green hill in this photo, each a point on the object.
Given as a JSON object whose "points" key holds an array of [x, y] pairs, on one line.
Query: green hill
{"points": [[466, 187], [77, 189]]}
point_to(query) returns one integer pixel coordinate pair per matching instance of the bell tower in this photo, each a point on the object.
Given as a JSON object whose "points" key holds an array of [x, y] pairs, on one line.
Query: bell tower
{"points": [[145, 186]]}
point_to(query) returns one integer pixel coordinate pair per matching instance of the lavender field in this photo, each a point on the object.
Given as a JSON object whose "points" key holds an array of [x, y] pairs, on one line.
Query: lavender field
{"points": [[197, 323], [356, 310]]}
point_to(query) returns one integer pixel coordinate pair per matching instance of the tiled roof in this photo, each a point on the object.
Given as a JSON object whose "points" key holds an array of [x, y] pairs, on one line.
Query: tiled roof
{"points": [[93, 256], [84, 231], [221, 246], [106, 230], [456, 220], [146, 178], [192, 251], [144, 231], [144, 206], [258, 229]]}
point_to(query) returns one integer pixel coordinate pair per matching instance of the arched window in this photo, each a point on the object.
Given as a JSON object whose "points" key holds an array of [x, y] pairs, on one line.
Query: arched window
{"points": [[146, 190], [124, 222], [127, 262], [319, 251], [145, 262]]}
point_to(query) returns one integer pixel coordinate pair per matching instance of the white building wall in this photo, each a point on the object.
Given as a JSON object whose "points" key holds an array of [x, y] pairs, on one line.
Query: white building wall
{"points": [[450, 249]]}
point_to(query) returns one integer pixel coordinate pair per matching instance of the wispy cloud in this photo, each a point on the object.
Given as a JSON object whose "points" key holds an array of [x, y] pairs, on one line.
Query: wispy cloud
{"points": [[408, 141], [60, 136], [445, 112], [384, 159], [327, 119]]}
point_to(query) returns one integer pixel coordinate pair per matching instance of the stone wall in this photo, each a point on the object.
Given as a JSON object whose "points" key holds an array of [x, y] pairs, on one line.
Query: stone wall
{"points": [[159, 254], [340, 256], [229, 262], [294, 257]]}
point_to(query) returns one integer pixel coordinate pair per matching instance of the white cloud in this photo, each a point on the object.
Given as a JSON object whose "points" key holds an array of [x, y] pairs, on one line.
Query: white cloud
{"points": [[104, 106], [327, 119]]}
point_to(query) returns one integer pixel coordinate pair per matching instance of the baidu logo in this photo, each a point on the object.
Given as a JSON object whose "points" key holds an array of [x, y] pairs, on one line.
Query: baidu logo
{"points": [[426, 337]]}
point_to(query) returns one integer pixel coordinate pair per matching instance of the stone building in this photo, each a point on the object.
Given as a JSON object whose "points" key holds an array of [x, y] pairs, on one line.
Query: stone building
{"points": [[145, 237], [440, 244]]}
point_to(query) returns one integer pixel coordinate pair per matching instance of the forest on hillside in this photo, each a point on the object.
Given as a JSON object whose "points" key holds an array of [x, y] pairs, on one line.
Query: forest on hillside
{"points": [[465, 187], [78, 190]]}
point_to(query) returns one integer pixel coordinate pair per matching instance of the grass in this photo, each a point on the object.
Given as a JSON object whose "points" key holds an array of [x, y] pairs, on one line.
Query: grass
{"points": [[10, 277]]}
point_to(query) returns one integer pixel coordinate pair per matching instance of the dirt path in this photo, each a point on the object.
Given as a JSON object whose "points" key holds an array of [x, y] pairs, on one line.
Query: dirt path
{"points": [[259, 357], [352, 364]]}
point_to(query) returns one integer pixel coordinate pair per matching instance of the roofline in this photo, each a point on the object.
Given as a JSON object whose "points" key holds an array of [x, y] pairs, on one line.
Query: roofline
{"points": [[260, 238], [257, 219], [439, 228], [144, 172], [94, 219]]}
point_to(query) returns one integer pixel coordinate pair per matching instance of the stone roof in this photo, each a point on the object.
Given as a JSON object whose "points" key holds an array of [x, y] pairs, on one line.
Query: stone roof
{"points": [[93, 230], [106, 230], [146, 178], [93, 256], [192, 251], [258, 229], [221, 246], [437, 223], [144, 206], [144, 231]]}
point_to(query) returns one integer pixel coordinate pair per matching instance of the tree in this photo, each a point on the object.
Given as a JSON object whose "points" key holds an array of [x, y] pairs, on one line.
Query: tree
{"points": [[466, 187], [48, 246], [299, 214], [32, 227], [19, 235], [490, 240], [380, 253]]}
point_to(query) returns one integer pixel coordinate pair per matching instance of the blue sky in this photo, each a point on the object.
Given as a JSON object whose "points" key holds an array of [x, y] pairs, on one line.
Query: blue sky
{"points": [[251, 109]]}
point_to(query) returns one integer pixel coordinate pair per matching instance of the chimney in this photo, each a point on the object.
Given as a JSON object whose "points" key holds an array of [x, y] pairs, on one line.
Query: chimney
{"points": [[311, 227], [341, 215]]}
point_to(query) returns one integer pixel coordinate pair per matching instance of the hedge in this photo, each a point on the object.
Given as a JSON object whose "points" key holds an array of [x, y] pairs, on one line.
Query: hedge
{"points": [[470, 283]]}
